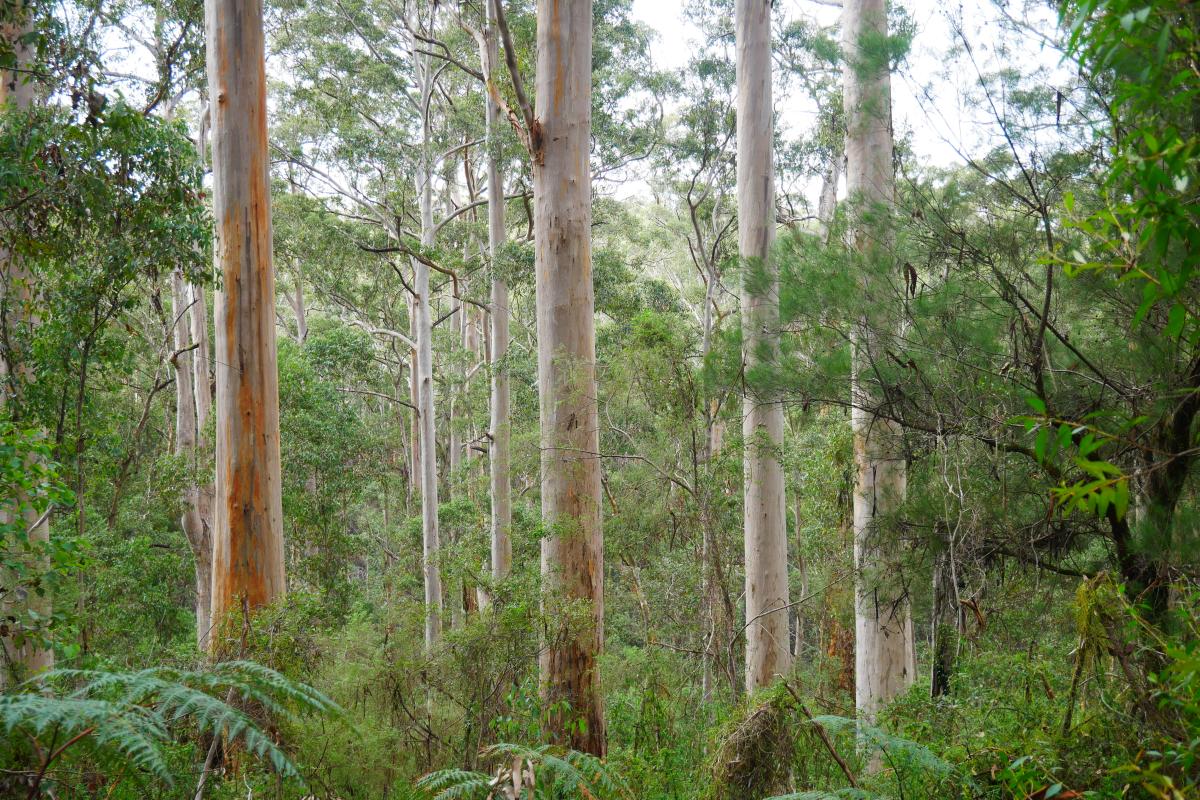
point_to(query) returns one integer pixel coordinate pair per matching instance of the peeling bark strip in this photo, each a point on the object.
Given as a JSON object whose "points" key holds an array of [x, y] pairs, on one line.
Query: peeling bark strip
{"points": [[884, 654], [573, 550], [248, 539], [768, 654]]}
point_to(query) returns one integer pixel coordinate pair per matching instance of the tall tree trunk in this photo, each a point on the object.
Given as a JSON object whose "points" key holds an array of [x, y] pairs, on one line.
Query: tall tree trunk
{"points": [[202, 387], [248, 553], [499, 426], [194, 529], [573, 549], [202, 400], [767, 652], [414, 398], [423, 368], [884, 661], [17, 93]]}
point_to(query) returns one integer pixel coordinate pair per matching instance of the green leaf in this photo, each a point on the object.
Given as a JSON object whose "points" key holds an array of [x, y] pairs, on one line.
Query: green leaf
{"points": [[1040, 442], [1175, 321]]}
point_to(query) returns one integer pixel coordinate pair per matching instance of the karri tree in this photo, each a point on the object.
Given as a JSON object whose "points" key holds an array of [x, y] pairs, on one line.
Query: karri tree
{"points": [[768, 644], [884, 660], [248, 554], [558, 138]]}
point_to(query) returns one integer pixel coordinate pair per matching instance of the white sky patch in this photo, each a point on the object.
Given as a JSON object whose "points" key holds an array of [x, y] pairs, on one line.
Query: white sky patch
{"points": [[929, 91]]}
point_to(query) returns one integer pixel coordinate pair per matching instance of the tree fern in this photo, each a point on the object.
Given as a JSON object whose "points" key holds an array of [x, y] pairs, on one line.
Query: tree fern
{"points": [[558, 773], [903, 755], [128, 716]]}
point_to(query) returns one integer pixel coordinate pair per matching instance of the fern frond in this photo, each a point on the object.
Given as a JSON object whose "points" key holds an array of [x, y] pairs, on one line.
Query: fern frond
{"points": [[130, 714], [457, 784], [132, 734]]}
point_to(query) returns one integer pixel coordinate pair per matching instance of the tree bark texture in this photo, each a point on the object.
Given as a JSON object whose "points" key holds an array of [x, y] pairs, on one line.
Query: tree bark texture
{"points": [[884, 659], [572, 551], [768, 654], [248, 552]]}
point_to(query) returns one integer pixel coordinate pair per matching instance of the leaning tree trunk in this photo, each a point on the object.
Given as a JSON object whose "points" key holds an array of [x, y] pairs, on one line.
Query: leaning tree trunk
{"points": [[499, 426], [573, 549], [248, 553], [767, 651], [884, 661], [17, 92]]}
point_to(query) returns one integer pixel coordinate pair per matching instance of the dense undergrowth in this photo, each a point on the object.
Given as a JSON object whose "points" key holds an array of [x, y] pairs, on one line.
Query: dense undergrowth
{"points": [[1011, 727]]}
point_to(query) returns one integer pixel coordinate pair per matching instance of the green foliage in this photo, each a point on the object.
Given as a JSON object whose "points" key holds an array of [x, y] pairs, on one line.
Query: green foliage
{"points": [[537, 773], [127, 717], [30, 488], [1144, 228]]}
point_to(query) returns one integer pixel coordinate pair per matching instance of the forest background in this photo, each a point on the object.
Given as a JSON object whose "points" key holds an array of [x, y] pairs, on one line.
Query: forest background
{"points": [[1005, 345]]}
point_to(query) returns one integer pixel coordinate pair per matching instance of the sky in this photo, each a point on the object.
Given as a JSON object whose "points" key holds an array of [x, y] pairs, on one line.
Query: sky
{"points": [[929, 100]]}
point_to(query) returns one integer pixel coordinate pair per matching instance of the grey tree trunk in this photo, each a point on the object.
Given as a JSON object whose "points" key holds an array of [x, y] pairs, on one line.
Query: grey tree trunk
{"points": [[884, 654], [573, 549], [202, 386], [768, 654], [194, 530], [248, 552]]}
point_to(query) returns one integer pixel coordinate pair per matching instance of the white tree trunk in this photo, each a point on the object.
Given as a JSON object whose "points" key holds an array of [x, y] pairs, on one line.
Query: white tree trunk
{"points": [[573, 550], [827, 205], [423, 370], [767, 638], [883, 624], [499, 425], [248, 553]]}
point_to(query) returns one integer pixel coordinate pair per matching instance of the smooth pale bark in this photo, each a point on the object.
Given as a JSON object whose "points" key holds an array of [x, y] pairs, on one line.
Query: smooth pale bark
{"points": [[194, 529], [500, 482], [423, 369], [296, 300], [17, 93], [248, 552], [884, 653], [827, 205], [202, 386], [414, 398], [768, 654], [202, 377], [573, 549]]}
